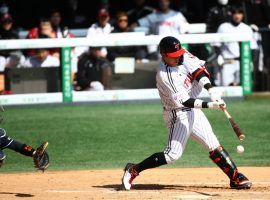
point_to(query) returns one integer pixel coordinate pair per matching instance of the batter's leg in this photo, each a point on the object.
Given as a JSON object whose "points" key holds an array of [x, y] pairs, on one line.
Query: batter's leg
{"points": [[179, 132], [203, 134]]}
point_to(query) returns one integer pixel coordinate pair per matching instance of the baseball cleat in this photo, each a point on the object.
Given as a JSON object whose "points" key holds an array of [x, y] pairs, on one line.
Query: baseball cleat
{"points": [[129, 175], [240, 182]]}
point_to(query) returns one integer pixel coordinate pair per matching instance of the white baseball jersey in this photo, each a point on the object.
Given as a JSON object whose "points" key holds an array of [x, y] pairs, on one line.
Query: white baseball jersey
{"points": [[95, 30], [170, 23], [232, 49], [176, 85]]}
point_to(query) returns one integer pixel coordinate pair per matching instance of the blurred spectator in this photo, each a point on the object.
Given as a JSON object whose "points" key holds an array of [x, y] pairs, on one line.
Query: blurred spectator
{"points": [[163, 22], [258, 15], [139, 11], [13, 57], [258, 12], [42, 59], [101, 27], [218, 15], [56, 22], [44, 30], [4, 9], [94, 71], [122, 26], [6, 30], [229, 58], [75, 18]]}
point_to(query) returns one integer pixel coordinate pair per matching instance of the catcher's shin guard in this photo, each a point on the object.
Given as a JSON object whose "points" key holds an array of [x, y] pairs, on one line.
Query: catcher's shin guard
{"points": [[221, 157], [2, 158]]}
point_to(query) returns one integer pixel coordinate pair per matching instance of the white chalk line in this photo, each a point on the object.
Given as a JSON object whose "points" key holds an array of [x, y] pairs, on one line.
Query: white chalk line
{"points": [[158, 191]]}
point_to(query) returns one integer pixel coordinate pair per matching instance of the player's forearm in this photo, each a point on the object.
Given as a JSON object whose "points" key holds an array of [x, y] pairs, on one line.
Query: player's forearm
{"points": [[198, 103], [195, 103]]}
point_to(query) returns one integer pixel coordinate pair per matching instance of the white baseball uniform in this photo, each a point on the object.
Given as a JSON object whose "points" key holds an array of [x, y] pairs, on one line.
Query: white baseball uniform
{"points": [[175, 86], [230, 72]]}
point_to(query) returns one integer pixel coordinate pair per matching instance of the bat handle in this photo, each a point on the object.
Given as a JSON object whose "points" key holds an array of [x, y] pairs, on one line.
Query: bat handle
{"points": [[226, 112]]}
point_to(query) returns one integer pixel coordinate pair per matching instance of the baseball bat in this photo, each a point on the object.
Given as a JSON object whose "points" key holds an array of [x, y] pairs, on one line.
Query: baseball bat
{"points": [[241, 136]]}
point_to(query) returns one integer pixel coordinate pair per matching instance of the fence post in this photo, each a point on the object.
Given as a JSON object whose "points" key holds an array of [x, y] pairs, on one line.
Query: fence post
{"points": [[246, 80], [185, 46], [66, 74]]}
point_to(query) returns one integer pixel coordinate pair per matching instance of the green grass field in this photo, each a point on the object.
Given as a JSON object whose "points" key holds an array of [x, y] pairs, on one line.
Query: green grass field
{"points": [[108, 136]]}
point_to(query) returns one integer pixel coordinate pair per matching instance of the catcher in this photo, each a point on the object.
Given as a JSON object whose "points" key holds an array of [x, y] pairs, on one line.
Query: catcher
{"points": [[39, 155]]}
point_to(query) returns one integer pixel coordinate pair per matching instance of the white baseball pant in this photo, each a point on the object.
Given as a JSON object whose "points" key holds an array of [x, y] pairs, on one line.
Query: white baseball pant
{"points": [[183, 124]]}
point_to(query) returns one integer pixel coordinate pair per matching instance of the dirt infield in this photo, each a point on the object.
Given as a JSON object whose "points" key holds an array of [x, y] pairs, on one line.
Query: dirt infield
{"points": [[182, 183]]}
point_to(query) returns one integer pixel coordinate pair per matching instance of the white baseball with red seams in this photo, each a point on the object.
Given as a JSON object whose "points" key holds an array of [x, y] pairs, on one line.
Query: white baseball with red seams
{"points": [[240, 149], [176, 85]]}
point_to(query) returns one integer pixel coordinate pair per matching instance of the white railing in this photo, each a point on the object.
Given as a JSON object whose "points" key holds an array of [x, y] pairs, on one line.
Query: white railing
{"points": [[118, 39]]}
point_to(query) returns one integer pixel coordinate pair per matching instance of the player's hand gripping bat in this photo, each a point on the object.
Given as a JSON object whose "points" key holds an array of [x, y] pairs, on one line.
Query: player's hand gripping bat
{"points": [[241, 136]]}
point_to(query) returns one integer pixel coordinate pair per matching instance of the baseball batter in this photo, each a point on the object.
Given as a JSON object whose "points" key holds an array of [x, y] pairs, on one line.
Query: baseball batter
{"points": [[180, 79]]}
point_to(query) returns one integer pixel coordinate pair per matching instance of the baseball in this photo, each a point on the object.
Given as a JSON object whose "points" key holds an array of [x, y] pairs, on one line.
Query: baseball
{"points": [[240, 149]]}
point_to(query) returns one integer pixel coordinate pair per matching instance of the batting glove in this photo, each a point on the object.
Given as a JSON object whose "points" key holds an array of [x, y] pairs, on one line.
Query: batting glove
{"points": [[216, 104], [214, 95]]}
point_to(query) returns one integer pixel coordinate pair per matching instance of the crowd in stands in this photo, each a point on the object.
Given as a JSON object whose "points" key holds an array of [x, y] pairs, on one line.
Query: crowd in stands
{"points": [[93, 66]]}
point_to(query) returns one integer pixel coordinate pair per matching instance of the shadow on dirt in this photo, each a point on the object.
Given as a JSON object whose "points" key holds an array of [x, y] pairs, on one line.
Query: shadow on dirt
{"points": [[18, 194], [190, 188]]}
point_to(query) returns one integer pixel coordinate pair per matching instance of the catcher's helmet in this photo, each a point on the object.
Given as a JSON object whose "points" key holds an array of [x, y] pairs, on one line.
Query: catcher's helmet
{"points": [[171, 47]]}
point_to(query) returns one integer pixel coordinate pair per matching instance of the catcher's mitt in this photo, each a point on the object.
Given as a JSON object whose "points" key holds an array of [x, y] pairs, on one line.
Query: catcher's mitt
{"points": [[41, 158]]}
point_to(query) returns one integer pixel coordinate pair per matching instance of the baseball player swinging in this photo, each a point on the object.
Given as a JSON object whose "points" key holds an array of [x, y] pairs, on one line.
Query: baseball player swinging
{"points": [[180, 79]]}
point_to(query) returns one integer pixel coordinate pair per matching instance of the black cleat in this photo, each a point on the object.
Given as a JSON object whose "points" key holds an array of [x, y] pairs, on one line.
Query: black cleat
{"points": [[240, 182]]}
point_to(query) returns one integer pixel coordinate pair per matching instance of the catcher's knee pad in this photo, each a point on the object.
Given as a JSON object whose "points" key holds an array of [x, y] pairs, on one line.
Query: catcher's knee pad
{"points": [[2, 132], [4, 139], [2, 157]]}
